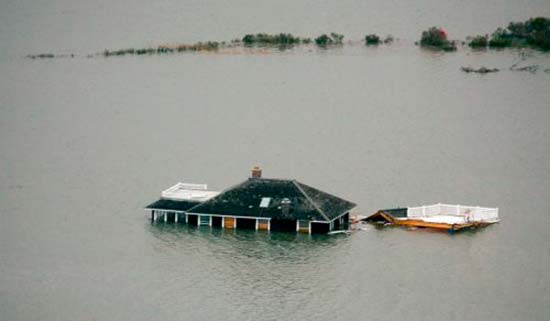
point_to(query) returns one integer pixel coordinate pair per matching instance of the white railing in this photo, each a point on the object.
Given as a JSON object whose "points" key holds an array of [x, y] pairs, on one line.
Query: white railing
{"points": [[470, 213], [187, 191]]}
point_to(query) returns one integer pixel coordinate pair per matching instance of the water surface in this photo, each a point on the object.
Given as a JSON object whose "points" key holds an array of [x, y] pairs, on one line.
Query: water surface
{"points": [[86, 143]]}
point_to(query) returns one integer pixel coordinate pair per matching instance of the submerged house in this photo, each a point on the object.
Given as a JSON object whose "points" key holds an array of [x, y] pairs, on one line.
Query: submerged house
{"points": [[257, 203]]}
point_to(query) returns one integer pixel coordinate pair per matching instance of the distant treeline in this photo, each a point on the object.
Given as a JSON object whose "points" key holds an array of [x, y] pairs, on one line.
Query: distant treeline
{"points": [[534, 33]]}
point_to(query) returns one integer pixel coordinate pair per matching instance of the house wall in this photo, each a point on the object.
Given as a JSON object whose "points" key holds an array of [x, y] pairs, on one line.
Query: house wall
{"points": [[266, 224], [320, 228], [246, 223], [283, 225], [217, 221], [192, 219]]}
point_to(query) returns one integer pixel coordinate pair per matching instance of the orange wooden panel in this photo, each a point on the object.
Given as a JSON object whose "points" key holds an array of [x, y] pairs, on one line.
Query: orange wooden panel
{"points": [[229, 222], [263, 226], [442, 226]]}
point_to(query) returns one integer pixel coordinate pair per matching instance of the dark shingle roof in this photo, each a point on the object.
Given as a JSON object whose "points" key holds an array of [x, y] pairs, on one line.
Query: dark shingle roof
{"points": [[306, 202], [172, 205]]}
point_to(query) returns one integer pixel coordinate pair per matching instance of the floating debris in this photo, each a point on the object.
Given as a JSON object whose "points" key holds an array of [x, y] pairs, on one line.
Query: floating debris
{"points": [[482, 70], [531, 68], [438, 216]]}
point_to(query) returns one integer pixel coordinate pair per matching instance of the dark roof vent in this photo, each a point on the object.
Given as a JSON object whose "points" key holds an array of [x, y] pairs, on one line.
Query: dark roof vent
{"points": [[285, 205]]}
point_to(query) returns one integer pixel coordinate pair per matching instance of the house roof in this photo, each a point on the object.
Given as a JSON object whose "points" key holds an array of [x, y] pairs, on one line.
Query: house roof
{"points": [[262, 197], [172, 205]]}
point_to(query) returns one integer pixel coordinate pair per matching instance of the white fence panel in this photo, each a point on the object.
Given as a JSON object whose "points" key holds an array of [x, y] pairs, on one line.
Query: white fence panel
{"points": [[470, 213]]}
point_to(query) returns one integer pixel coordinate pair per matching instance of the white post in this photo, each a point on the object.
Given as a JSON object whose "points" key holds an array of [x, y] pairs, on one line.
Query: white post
{"points": [[198, 220], [154, 216], [186, 218], [269, 225], [165, 216], [234, 222], [309, 228], [210, 222], [223, 221], [256, 224], [297, 225]]}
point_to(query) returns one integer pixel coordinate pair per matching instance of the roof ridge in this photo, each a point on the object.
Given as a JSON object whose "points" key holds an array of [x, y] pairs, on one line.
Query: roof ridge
{"points": [[271, 179], [296, 183], [220, 194], [329, 194]]}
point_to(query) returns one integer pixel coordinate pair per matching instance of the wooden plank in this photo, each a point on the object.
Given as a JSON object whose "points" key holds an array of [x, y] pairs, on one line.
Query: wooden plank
{"points": [[441, 226]]}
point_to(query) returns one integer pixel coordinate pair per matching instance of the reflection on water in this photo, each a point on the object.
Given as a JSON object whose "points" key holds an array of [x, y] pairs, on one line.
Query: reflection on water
{"points": [[238, 243]]}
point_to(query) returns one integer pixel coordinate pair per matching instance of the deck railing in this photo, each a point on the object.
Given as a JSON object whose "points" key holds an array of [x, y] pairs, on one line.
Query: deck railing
{"points": [[471, 213]]}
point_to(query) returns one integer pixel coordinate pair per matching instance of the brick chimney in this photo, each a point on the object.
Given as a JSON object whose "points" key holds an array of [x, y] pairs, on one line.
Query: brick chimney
{"points": [[256, 172]]}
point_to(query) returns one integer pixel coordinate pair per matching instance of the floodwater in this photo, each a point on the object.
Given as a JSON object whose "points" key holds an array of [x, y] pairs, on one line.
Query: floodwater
{"points": [[85, 143]]}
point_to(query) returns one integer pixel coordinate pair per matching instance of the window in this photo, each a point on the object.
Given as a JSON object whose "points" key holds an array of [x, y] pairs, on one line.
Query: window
{"points": [[265, 202]]}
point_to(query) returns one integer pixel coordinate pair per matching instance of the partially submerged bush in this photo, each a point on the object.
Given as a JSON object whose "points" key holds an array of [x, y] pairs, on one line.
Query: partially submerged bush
{"points": [[278, 39], [327, 40], [199, 46], [437, 38], [479, 42], [372, 39], [500, 39], [388, 39], [534, 32]]}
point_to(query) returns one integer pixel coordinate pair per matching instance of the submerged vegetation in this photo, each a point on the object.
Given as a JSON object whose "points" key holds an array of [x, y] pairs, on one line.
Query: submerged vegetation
{"points": [[532, 33], [329, 40], [436, 38], [479, 42], [282, 39], [49, 55], [372, 39], [199, 46], [41, 56]]}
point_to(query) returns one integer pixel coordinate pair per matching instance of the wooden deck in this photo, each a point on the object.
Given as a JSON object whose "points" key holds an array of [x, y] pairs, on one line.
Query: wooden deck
{"points": [[383, 216], [440, 226]]}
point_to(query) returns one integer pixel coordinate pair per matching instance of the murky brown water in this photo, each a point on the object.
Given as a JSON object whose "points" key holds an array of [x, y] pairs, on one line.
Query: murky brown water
{"points": [[86, 143]]}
